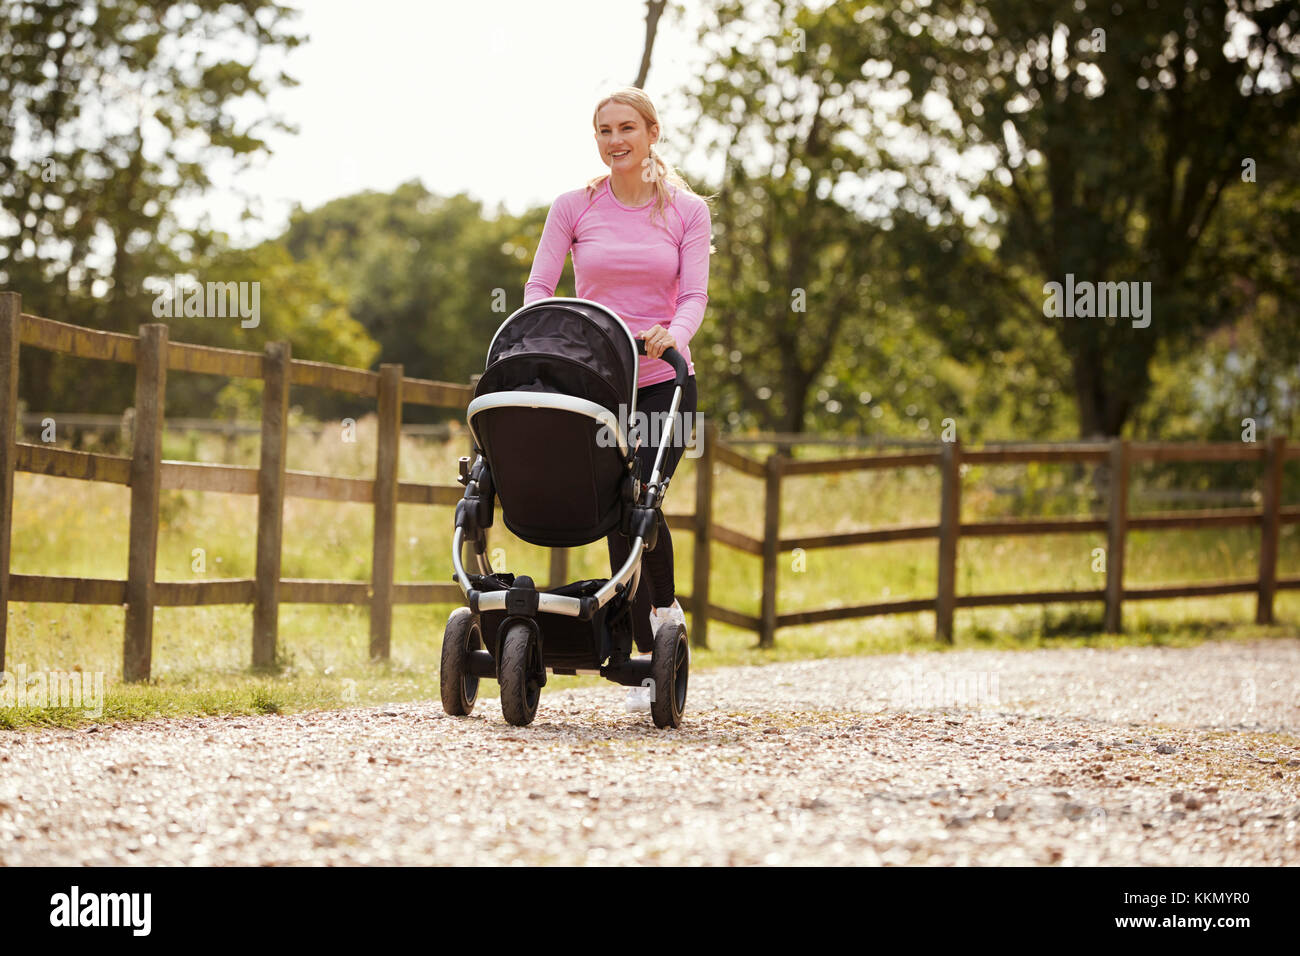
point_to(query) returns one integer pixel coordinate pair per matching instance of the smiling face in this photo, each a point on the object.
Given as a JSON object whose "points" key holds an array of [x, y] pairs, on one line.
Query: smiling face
{"points": [[622, 137]]}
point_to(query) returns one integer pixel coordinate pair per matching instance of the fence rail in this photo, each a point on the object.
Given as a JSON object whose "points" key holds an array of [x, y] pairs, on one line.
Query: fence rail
{"points": [[147, 474], [225, 428]]}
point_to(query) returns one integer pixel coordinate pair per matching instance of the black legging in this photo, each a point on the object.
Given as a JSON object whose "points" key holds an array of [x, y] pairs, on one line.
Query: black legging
{"points": [[657, 565]]}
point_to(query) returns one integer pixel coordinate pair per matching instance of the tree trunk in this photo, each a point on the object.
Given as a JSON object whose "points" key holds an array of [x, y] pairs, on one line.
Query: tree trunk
{"points": [[1089, 394], [654, 10], [797, 384], [1091, 404]]}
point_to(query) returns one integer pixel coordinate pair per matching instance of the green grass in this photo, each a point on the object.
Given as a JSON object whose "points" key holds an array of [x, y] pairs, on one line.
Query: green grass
{"points": [[201, 655]]}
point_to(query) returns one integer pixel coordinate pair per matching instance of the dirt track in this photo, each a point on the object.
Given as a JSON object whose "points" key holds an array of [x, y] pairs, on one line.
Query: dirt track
{"points": [[1135, 756]]}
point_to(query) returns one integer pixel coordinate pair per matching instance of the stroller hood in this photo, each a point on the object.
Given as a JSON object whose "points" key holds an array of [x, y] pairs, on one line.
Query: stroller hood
{"points": [[567, 346]]}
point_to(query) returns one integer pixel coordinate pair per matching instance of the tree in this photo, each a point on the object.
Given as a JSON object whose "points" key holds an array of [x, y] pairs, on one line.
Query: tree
{"points": [[429, 277], [790, 270], [1249, 368], [1110, 134], [821, 309], [112, 112]]}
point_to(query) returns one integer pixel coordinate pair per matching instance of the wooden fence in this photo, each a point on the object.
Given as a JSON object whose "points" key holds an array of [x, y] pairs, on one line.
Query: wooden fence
{"points": [[1119, 455], [146, 473]]}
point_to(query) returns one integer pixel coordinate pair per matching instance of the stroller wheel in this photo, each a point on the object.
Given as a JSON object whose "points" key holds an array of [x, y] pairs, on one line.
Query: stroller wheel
{"points": [[517, 672], [670, 668], [459, 687]]}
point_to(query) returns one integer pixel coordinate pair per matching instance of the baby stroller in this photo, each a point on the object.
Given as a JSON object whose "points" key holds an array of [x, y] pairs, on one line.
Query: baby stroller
{"points": [[548, 440]]}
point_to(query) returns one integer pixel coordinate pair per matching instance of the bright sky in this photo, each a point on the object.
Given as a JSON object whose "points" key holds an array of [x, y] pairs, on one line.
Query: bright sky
{"points": [[493, 98]]}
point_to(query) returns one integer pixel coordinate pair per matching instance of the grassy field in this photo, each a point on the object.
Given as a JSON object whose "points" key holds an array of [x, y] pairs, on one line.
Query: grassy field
{"points": [[201, 655]]}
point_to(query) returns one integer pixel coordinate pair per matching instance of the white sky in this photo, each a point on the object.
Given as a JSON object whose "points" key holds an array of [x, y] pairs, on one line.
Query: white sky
{"points": [[493, 98]]}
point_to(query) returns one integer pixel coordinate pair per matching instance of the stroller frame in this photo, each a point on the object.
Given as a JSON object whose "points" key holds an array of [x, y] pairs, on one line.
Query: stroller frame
{"points": [[516, 633]]}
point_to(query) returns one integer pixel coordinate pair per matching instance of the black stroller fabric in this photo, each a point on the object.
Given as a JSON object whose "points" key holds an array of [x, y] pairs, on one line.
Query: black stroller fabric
{"points": [[570, 348], [557, 484]]}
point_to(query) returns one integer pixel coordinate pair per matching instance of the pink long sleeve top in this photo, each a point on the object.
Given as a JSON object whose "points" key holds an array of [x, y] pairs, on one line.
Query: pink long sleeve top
{"points": [[648, 273]]}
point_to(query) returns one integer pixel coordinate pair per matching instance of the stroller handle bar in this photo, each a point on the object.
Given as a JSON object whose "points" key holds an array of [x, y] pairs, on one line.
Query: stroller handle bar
{"points": [[673, 358]]}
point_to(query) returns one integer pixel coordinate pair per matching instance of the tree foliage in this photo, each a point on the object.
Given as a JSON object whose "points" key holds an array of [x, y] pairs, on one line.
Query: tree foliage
{"points": [[112, 114], [967, 154], [428, 277], [1112, 134]]}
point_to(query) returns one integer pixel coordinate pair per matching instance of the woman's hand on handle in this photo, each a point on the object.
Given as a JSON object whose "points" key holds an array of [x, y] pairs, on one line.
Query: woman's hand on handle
{"points": [[657, 341]]}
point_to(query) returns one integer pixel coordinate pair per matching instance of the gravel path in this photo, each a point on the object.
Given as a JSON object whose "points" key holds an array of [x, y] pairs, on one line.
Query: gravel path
{"points": [[1132, 756]]}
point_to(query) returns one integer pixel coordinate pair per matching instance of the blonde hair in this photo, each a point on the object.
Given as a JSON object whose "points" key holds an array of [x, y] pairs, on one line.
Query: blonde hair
{"points": [[663, 174]]}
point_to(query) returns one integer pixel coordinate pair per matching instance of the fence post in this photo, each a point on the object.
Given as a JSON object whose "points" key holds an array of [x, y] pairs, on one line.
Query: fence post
{"points": [[559, 567], [945, 601], [1116, 531], [146, 471], [771, 547], [385, 544], [11, 309], [270, 500], [473, 382], [1274, 461], [703, 531]]}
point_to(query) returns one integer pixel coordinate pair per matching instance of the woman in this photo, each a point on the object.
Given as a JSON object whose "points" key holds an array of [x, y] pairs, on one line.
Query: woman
{"points": [[640, 242]]}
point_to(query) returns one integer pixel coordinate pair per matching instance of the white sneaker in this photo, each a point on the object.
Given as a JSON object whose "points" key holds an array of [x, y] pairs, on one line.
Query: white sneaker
{"points": [[659, 616]]}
